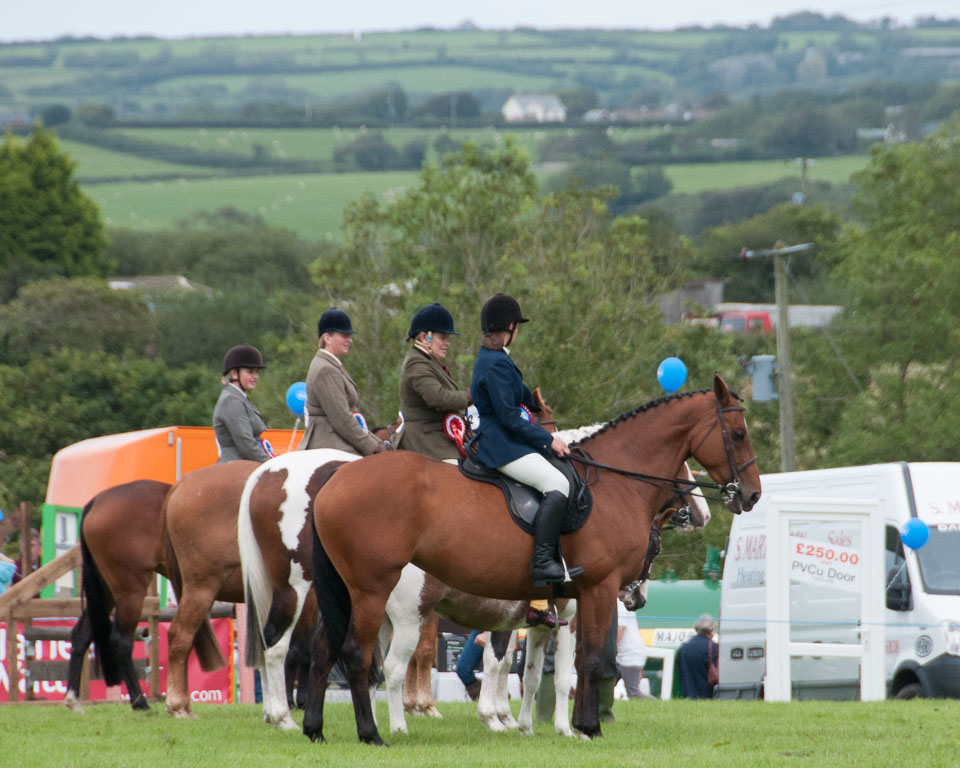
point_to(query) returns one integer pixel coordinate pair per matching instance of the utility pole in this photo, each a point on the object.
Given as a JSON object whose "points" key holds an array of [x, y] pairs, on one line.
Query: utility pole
{"points": [[780, 254]]}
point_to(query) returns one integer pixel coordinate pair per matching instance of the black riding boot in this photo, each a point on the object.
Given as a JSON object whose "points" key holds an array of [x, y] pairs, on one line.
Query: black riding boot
{"points": [[544, 567]]}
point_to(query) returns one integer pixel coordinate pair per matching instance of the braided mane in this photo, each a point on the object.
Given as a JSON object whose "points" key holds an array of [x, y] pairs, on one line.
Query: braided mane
{"points": [[577, 436]]}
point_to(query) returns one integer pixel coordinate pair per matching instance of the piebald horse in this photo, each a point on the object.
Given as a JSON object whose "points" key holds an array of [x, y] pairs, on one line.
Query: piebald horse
{"points": [[376, 516]]}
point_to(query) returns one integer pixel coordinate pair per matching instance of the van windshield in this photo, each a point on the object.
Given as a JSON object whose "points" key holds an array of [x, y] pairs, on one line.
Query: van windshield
{"points": [[939, 564]]}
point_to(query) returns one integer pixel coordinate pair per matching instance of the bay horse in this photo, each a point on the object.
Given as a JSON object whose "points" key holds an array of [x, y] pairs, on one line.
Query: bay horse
{"points": [[375, 516], [116, 572]]}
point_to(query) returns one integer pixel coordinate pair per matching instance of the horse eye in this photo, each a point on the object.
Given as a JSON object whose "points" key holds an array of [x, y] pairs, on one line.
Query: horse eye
{"points": [[739, 434]]}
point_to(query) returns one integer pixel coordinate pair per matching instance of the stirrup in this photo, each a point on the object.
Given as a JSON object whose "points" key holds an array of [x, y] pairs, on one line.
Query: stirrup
{"points": [[570, 573]]}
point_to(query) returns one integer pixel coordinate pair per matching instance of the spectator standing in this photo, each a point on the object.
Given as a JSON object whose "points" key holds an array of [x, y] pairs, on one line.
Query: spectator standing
{"points": [[694, 657]]}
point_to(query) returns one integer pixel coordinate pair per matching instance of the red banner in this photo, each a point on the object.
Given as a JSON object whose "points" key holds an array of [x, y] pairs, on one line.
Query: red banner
{"points": [[207, 687]]}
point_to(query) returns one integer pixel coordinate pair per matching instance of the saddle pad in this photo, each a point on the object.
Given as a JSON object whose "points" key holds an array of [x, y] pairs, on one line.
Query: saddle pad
{"points": [[523, 501]]}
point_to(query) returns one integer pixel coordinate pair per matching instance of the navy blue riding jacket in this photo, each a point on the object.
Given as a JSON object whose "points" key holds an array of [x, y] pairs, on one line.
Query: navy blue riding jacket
{"points": [[498, 391]]}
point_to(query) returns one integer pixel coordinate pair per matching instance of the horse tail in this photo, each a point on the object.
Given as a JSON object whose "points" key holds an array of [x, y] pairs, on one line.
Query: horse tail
{"points": [[99, 600], [257, 586], [205, 640], [333, 599]]}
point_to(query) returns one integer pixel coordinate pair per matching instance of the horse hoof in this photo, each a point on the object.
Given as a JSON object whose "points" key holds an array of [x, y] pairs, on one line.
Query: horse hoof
{"points": [[493, 724], [374, 740], [184, 714], [140, 704], [565, 732], [526, 730], [432, 711], [73, 703], [509, 722], [287, 724]]}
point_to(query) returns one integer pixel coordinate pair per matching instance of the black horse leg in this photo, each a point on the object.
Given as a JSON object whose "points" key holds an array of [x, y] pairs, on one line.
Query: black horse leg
{"points": [[359, 678], [80, 638], [320, 664], [586, 706], [290, 667], [123, 648]]}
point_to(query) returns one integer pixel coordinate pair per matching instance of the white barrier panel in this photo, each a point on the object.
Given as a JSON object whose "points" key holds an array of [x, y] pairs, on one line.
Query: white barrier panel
{"points": [[824, 563], [668, 655]]}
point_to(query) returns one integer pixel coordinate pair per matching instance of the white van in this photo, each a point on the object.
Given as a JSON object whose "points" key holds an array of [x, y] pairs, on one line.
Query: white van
{"points": [[922, 586]]}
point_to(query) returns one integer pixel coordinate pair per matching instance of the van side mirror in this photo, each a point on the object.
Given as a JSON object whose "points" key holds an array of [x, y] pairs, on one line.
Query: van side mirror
{"points": [[898, 593]]}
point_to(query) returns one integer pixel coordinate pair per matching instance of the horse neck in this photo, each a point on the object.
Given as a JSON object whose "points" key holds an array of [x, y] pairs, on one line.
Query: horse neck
{"points": [[654, 441]]}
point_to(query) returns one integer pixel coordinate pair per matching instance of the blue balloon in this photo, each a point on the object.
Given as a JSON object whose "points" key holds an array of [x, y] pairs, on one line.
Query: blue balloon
{"points": [[914, 533], [297, 398], [671, 374]]}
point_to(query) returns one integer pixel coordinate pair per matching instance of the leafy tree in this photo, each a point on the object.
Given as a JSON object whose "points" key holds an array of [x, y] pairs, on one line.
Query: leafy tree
{"points": [[450, 106], [47, 225], [578, 100], [474, 225], [226, 249], [55, 114], [95, 114], [369, 152], [791, 224], [67, 396], [82, 313]]}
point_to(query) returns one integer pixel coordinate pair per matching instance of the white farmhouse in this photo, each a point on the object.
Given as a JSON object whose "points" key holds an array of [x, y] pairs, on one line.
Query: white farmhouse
{"points": [[535, 108]]}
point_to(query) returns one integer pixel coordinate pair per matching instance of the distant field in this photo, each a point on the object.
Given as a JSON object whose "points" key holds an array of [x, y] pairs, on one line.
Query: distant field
{"points": [[94, 162], [310, 204], [331, 85], [693, 178], [320, 143]]}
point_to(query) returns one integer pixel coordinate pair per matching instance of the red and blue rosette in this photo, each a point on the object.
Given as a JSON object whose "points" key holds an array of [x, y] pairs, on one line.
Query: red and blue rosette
{"points": [[525, 414], [361, 421], [268, 449], [454, 428]]}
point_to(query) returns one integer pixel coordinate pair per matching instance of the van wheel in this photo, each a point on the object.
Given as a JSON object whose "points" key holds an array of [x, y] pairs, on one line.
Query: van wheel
{"points": [[910, 691]]}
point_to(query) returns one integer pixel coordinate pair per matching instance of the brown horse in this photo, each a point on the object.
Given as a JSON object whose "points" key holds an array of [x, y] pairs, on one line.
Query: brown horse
{"points": [[376, 515], [116, 571], [200, 520]]}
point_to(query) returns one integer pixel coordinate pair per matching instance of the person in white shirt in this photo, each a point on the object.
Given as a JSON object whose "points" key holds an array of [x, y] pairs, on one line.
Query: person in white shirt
{"points": [[631, 651]]}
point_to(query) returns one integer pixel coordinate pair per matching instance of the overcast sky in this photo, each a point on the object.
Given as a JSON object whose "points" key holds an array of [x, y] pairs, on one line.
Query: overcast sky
{"points": [[48, 19]]}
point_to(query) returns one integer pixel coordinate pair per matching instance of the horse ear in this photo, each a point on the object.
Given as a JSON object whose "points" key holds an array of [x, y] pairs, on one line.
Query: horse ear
{"points": [[538, 398], [720, 388]]}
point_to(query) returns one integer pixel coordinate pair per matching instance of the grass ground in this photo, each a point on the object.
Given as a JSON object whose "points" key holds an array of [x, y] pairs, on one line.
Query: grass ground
{"points": [[692, 178], [647, 733], [312, 205]]}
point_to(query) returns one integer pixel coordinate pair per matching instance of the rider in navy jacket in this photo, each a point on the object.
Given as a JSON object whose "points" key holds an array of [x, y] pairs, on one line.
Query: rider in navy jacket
{"points": [[498, 391], [514, 445]]}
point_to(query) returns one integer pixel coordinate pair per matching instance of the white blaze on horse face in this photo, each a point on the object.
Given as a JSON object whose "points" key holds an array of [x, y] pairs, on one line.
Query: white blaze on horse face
{"points": [[297, 506]]}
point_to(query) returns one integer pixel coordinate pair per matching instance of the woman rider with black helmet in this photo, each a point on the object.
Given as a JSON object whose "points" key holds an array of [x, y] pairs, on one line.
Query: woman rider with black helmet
{"points": [[508, 439], [428, 392], [237, 423]]}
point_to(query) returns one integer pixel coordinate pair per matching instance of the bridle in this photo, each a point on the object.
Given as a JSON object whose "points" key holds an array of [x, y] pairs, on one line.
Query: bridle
{"points": [[733, 488], [728, 491]]}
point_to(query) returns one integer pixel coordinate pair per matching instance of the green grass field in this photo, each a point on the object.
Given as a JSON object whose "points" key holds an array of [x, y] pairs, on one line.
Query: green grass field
{"points": [[331, 85], [693, 178], [647, 733], [312, 205]]}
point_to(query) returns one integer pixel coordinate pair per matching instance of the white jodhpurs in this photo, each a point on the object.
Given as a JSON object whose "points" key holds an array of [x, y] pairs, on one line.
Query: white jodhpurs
{"points": [[534, 470]]}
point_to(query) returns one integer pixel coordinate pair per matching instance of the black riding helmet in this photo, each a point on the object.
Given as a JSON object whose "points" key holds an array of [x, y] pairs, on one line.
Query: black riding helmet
{"points": [[334, 321], [499, 313], [242, 356], [433, 317]]}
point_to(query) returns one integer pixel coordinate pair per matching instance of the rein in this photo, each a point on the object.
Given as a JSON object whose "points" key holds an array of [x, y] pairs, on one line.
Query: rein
{"points": [[728, 491]]}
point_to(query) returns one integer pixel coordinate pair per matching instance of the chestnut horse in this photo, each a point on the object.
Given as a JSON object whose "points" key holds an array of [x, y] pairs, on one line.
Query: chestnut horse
{"points": [[375, 516]]}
